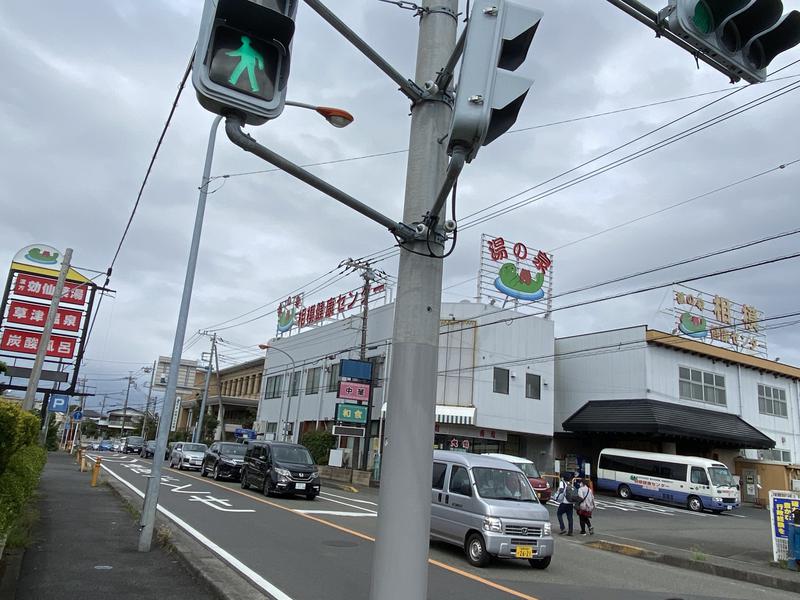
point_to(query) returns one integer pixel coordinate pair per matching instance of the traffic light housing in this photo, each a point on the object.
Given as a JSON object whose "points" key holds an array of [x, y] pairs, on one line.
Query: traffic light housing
{"points": [[241, 62], [743, 35], [489, 95]]}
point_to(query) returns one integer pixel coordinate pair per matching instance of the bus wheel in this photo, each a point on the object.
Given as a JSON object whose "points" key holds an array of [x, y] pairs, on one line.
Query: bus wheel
{"points": [[695, 504], [625, 492]]}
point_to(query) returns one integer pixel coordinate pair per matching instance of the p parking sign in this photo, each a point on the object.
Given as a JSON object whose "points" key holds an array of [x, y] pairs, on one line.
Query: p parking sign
{"points": [[58, 403]]}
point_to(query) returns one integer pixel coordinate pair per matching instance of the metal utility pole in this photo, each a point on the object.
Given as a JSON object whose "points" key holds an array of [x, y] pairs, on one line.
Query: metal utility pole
{"points": [[125, 405], [154, 483], [400, 564], [41, 351], [147, 402], [201, 421]]}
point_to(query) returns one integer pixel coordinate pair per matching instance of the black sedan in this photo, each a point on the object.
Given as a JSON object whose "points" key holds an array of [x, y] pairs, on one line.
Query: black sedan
{"points": [[149, 449], [223, 459]]}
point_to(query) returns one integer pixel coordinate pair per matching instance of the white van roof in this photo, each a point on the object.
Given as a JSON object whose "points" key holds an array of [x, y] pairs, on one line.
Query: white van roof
{"points": [[517, 460], [470, 460]]}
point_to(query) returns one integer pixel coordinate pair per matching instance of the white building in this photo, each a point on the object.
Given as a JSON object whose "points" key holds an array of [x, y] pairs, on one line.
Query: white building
{"points": [[645, 389], [495, 391]]}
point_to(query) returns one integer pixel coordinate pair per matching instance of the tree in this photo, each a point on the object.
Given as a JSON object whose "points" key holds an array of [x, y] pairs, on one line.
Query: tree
{"points": [[319, 444]]}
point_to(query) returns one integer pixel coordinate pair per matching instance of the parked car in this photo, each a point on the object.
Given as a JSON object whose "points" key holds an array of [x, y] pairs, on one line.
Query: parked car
{"points": [[186, 455], [539, 484], [116, 446], [149, 449], [132, 444], [487, 507], [224, 459], [168, 451], [106, 446], [280, 468]]}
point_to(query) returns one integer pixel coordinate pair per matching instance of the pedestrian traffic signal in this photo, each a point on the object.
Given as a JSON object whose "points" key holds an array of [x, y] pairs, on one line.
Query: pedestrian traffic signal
{"points": [[488, 95], [742, 35], [241, 62]]}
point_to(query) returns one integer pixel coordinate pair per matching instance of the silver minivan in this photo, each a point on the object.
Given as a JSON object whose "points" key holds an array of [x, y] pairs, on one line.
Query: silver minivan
{"points": [[488, 507]]}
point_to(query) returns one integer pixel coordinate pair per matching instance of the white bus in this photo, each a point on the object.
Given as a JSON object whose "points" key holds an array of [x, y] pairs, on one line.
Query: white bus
{"points": [[697, 483]]}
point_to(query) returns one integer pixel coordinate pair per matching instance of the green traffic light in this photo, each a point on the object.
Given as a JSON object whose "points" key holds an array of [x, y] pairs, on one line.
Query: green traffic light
{"points": [[703, 19], [243, 62]]}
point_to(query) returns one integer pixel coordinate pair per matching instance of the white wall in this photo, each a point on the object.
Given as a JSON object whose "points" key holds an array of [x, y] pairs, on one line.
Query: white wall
{"points": [[609, 365]]}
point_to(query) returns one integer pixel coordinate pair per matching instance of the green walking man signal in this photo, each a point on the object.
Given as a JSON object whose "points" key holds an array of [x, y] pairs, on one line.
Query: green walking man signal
{"points": [[248, 58]]}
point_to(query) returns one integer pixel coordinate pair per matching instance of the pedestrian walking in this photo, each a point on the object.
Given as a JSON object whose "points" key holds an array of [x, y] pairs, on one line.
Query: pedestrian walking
{"points": [[564, 503], [585, 508]]}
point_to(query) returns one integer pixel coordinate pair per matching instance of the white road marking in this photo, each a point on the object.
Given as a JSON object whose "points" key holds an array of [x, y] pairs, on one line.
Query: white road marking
{"points": [[348, 498], [336, 513], [257, 579], [366, 510]]}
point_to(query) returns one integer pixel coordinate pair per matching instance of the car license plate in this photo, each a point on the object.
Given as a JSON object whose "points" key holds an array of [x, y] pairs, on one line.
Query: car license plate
{"points": [[729, 507], [524, 552], [299, 486]]}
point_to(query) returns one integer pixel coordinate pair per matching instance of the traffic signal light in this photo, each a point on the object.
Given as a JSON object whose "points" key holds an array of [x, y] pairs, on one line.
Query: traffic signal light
{"points": [[489, 95], [743, 35], [241, 62]]}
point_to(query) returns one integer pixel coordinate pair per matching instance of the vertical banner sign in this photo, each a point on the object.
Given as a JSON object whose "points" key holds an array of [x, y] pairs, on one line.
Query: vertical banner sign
{"points": [[782, 505]]}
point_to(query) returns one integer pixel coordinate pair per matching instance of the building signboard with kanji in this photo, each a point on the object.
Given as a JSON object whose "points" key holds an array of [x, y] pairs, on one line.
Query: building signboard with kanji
{"points": [[351, 413], [511, 271], [714, 319], [28, 294], [294, 314], [782, 507], [350, 390]]}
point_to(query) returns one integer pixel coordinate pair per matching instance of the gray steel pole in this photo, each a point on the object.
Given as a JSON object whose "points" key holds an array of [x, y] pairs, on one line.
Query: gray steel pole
{"points": [[198, 430], [41, 351], [154, 482], [400, 564], [125, 405], [147, 402]]}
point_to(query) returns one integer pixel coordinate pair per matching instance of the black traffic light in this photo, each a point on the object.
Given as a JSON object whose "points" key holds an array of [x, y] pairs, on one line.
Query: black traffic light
{"points": [[242, 58], [743, 35]]}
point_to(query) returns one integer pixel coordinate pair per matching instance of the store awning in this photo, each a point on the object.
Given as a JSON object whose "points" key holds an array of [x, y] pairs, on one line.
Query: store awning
{"points": [[455, 415], [666, 420]]}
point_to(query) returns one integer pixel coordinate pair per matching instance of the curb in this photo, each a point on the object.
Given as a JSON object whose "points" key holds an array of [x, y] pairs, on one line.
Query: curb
{"points": [[340, 486], [198, 560], [710, 568]]}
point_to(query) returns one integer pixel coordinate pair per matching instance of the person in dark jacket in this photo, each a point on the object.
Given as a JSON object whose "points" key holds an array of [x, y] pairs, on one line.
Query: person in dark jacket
{"points": [[564, 505]]}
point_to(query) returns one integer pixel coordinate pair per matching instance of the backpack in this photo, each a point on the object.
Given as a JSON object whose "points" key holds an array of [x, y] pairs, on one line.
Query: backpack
{"points": [[572, 495]]}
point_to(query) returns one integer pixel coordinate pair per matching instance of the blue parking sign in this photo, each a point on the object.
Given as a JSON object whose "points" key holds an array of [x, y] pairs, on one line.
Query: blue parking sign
{"points": [[58, 403]]}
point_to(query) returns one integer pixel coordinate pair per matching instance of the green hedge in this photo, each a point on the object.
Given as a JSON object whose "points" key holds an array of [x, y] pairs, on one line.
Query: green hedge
{"points": [[319, 444], [21, 461]]}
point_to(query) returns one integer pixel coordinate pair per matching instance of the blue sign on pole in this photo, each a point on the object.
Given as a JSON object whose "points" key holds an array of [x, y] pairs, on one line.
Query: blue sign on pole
{"points": [[58, 403], [240, 432], [77, 415], [356, 369]]}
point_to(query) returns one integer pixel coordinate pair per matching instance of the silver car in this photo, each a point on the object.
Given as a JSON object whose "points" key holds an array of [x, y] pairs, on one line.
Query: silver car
{"points": [[487, 507], [186, 455]]}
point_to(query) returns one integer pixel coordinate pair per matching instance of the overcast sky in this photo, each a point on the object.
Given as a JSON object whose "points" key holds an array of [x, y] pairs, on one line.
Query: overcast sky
{"points": [[89, 84]]}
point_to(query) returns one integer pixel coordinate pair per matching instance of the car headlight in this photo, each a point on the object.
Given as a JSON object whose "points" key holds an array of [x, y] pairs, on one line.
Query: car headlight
{"points": [[492, 524], [717, 499], [315, 475], [227, 461], [547, 529], [283, 472]]}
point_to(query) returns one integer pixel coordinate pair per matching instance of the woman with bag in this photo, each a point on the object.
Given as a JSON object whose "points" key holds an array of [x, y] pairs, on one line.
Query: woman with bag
{"points": [[585, 508]]}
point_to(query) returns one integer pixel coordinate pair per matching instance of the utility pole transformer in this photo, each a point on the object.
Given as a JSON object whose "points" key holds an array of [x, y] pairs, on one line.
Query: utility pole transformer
{"points": [[400, 564]]}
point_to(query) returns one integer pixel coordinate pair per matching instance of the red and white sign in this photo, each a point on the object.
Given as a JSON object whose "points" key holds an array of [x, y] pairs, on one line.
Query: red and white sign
{"points": [[28, 313], [36, 286], [354, 391], [27, 342]]}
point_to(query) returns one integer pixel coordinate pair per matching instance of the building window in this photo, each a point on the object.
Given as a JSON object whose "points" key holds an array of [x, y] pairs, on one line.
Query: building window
{"points": [[533, 386], [274, 386], [772, 401], [701, 386], [272, 427], [312, 380], [294, 387], [776, 454], [500, 381], [334, 377]]}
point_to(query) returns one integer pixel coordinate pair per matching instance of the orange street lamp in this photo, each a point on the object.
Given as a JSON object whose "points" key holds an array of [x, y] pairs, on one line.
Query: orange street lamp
{"points": [[335, 116]]}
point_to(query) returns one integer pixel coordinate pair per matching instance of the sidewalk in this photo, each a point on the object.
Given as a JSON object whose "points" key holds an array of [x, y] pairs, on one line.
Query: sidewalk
{"points": [[84, 545]]}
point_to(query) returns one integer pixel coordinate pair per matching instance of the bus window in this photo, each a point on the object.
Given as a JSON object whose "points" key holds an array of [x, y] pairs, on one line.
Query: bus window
{"points": [[699, 476]]}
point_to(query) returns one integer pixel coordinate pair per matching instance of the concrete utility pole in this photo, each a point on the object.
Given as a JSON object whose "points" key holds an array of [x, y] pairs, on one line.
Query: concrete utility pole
{"points": [[41, 351], [201, 418], [147, 402], [125, 405], [400, 564], [154, 482]]}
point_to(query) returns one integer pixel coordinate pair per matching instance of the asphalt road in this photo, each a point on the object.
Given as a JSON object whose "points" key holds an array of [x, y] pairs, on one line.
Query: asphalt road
{"points": [[296, 549]]}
